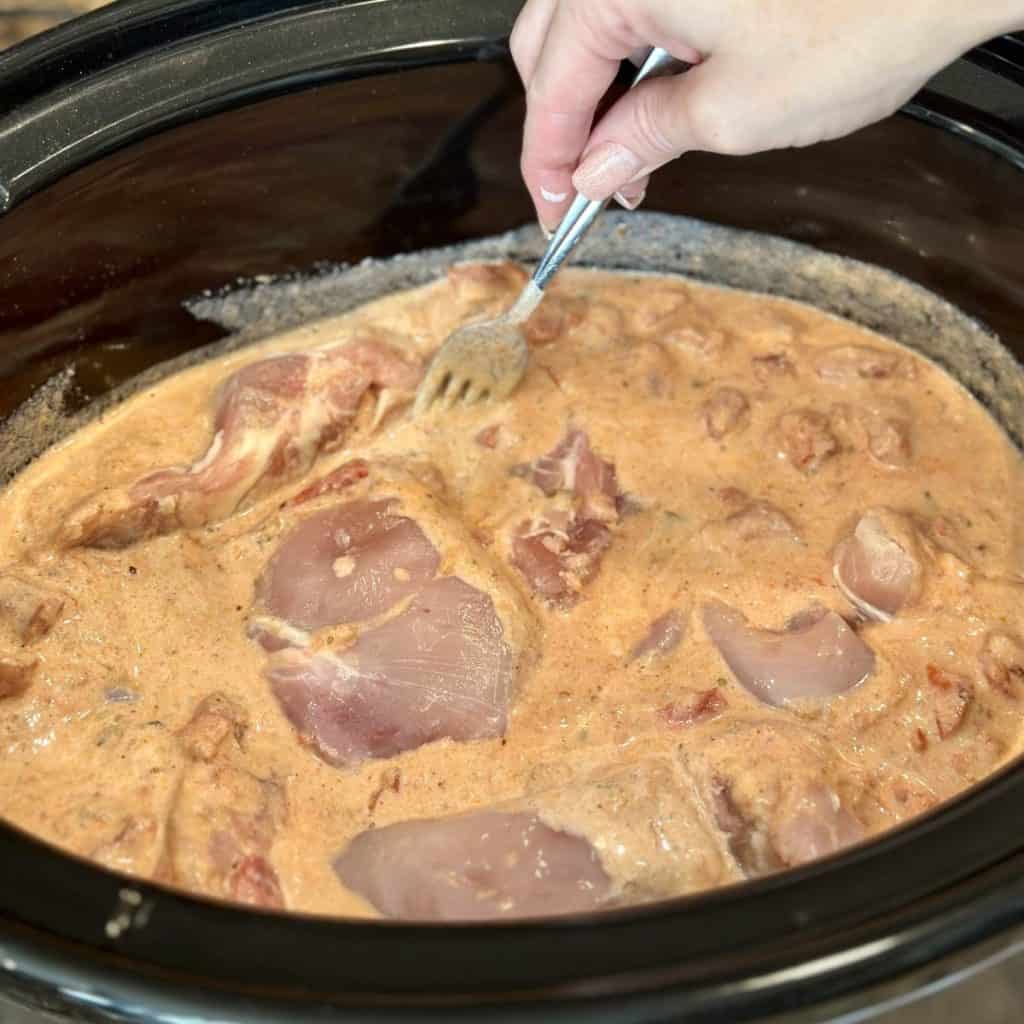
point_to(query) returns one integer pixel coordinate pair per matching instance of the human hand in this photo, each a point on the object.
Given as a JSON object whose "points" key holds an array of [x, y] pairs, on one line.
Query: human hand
{"points": [[769, 74]]}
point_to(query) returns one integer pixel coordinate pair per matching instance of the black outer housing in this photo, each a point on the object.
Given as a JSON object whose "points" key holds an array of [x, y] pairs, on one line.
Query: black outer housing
{"points": [[399, 129]]}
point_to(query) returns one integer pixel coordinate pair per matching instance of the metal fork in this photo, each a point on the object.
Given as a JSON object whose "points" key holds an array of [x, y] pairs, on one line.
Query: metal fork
{"points": [[485, 361]]}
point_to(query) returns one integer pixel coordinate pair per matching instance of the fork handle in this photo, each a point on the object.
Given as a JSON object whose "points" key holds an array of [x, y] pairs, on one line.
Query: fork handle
{"points": [[583, 212]]}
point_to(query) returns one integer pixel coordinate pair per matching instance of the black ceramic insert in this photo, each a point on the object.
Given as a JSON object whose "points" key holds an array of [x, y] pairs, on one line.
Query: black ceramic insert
{"points": [[293, 134]]}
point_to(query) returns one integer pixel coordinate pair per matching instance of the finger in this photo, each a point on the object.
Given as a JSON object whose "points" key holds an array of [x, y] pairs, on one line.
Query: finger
{"points": [[659, 121], [639, 55], [578, 61], [528, 34]]}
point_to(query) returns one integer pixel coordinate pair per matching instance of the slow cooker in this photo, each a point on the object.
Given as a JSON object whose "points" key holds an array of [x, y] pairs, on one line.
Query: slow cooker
{"points": [[154, 150]]}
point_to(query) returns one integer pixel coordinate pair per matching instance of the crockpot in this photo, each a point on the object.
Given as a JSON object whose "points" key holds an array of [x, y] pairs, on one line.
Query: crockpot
{"points": [[154, 150]]}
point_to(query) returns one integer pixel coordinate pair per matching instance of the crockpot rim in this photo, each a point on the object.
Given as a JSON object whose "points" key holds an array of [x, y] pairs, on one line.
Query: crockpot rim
{"points": [[40, 73], [34, 924], [67, 86]]}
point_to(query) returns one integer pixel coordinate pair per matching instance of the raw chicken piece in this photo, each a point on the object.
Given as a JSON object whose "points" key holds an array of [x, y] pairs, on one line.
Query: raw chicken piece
{"points": [[489, 436], [748, 840], [804, 439], [215, 719], [16, 672], [486, 287], [133, 843], [253, 880], [223, 817], [273, 418], [889, 441], [815, 824], [440, 669], [756, 520], [771, 790], [725, 412], [696, 340], [664, 307], [477, 866], [560, 552], [650, 840], [950, 695], [818, 658], [345, 564], [772, 366], [220, 832], [559, 560], [28, 610], [955, 553], [1002, 664], [669, 315], [844, 363], [554, 318], [484, 290], [572, 466], [662, 638], [697, 707], [647, 824], [881, 430], [120, 818], [374, 655], [877, 568]]}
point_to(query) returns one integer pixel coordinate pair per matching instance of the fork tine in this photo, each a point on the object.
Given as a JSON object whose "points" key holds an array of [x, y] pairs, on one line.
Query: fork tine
{"points": [[432, 387], [443, 402], [454, 392]]}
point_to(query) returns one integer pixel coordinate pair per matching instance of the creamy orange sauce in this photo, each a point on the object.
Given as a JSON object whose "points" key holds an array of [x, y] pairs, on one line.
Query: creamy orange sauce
{"points": [[686, 389]]}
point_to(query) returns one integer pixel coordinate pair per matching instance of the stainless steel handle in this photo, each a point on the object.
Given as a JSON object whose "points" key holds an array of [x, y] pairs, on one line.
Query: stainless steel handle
{"points": [[583, 212]]}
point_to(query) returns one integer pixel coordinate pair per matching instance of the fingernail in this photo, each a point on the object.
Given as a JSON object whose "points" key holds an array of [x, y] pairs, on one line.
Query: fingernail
{"points": [[554, 197], [631, 195], [630, 202], [545, 232], [605, 169]]}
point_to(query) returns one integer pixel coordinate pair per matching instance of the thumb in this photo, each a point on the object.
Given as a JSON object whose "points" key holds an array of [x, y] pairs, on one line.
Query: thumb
{"points": [[654, 123]]}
